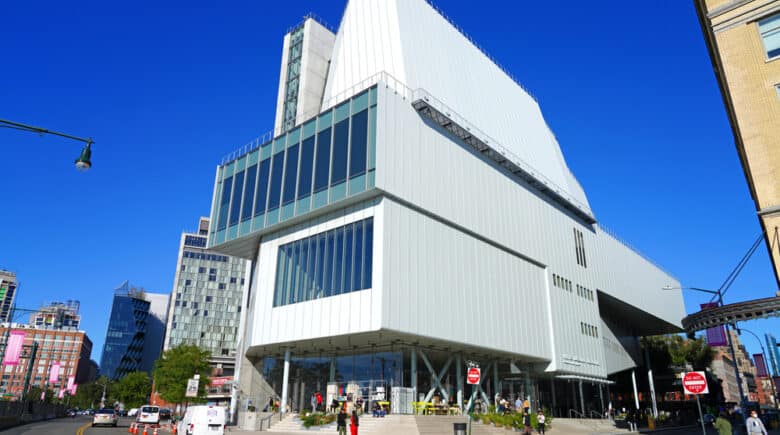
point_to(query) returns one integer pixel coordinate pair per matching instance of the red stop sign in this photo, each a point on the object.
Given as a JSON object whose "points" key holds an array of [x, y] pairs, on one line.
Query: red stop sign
{"points": [[695, 383], [472, 375]]}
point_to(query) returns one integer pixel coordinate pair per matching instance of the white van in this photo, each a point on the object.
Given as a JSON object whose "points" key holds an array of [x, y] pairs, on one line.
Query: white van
{"points": [[203, 420], [148, 414]]}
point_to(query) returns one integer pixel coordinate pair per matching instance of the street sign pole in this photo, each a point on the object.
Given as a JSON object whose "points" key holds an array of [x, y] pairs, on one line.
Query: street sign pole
{"points": [[701, 417]]}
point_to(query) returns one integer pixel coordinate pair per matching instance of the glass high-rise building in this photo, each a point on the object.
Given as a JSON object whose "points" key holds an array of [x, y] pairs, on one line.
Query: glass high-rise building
{"points": [[7, 294], [205, 306], [773, 354], [135, 331], [206, 299]]}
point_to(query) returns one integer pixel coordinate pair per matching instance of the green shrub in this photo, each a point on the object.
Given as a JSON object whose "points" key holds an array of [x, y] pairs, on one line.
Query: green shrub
{"points": [[317, 419]]}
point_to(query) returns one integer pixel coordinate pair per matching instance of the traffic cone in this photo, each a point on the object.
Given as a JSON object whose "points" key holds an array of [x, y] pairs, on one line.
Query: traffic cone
{"points": [[146, 429], [173, 429], [155, 431], [130, 428]]}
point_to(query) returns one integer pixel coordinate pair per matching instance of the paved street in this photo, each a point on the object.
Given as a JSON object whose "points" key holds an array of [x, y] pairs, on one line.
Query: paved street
{"points": [[68, 426]]}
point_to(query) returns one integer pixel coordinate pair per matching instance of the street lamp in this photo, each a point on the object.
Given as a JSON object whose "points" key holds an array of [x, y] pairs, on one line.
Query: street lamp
{"points": [[763, 351], [83, 163], [719, 294]]}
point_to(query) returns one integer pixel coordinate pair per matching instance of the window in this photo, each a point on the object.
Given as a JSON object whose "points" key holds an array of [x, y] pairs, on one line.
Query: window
{"points": [[221, 286], [322, 160], [276, 181], [235, 207], [307, 161], [326, 264], [201, 270], [579, 247], [209, 298], [232, 280], [224, 201], [187, 282], [251, 178], [183, 267], [340, 146], [290, 175], [262, 186], [357, 156], [769, 29]]}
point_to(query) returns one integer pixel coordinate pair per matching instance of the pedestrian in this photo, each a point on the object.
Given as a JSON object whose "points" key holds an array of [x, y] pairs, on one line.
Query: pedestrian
{"points": [[540, 422], [313, 403], [353, 424], [341, 422], [334, 405], [722, 424], [631, 420], [519, 403], [754, 424], [319, 401]]}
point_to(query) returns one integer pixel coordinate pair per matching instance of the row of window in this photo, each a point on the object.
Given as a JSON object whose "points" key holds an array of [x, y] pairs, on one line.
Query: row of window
{"points": [[327, 264], [312, 166], [579, 247], [202, 256], [324, 160], [584, 292], [589, 330], [195, 241], [561, 282]]}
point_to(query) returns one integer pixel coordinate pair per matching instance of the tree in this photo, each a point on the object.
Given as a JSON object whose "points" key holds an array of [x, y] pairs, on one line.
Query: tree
{"points": [[133, 389], [89, 395], [677, 351], [178, 365]]}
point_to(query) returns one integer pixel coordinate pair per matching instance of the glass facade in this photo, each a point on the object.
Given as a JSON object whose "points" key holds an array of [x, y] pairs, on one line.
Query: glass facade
{"points": [[322, 161], [124, 345], [206, 299], [326, 264]]}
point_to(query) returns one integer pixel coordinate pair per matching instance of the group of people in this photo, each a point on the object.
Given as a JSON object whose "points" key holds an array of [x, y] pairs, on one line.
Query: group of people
{"points": [[341, 422], [522, 406], [754, 425]]}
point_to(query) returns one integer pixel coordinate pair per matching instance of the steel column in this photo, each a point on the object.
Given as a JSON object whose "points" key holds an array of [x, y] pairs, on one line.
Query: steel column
{"points": [[285, 381]]}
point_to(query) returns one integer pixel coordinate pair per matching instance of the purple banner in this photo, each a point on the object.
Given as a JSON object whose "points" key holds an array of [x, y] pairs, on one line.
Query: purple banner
{"points": [[760, 365], [716, 336], [13, 350]]}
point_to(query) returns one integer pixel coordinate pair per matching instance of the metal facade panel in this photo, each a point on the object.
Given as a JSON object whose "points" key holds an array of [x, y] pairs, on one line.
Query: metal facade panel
{"points": [[418, 163], [412, 42], [442, 283]]}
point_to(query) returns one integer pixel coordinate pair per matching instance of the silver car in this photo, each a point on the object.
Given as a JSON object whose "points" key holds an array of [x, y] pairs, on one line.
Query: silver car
{"points": [[105, 416]]}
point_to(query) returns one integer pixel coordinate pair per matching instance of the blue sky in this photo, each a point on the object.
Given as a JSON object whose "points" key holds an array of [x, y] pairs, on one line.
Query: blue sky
{"points": [[168, 88]]}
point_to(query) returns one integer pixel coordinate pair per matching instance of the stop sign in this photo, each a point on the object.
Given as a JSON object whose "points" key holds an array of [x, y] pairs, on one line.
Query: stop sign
{"points": [[472, 375], [695, 383]]}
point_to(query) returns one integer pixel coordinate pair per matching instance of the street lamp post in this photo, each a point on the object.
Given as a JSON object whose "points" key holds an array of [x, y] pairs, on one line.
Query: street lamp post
{"points": [[83, 163], [719, 294], [763, 351]]}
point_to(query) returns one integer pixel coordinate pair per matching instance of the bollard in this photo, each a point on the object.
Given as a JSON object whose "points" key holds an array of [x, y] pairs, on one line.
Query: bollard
{"points": [[459, 428]]}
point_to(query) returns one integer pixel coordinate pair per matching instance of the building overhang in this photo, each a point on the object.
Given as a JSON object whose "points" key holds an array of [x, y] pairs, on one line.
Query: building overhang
{"points": [[641, 322], [383, 340]]}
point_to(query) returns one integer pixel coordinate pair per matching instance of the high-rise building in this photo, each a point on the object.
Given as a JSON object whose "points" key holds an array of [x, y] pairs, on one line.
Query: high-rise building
{"points": [[421, 218], [68, 349], [57, 315], [205, 306], [8, 286], [135, 332], [773, 354], [743, 38], [723, 368], [747, 370]]}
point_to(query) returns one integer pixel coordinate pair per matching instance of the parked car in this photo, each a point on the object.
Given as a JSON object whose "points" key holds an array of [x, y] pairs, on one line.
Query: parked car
{"points": [[149, 414], [165, 414], [203, 420], [105, 416], [132, 412]]}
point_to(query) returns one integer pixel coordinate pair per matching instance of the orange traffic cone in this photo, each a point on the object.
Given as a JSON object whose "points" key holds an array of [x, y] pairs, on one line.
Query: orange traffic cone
{"points": [[155, 431], [146, 429], [173, 429], [130, 428]]}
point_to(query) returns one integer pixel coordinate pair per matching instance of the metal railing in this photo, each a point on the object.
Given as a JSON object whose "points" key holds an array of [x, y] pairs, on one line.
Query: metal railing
{"points": [[628, 245], [573, 413]]}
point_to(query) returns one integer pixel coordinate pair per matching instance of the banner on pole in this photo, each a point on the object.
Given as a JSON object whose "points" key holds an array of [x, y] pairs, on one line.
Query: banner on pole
{"points": [[54, 373], [716, 336], [61, 394], [13, 349], [192, 388], [73, 390], [71, 381]]}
